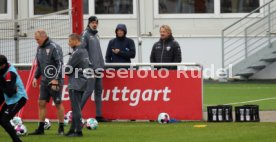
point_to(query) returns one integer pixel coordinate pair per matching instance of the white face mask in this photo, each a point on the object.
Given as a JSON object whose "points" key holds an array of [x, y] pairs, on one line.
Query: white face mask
{"points": [[93, 25]]}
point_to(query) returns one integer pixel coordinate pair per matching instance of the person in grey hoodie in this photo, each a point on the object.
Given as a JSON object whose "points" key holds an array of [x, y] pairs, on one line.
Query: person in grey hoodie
{"points": [[91, 42], [75, 68]]}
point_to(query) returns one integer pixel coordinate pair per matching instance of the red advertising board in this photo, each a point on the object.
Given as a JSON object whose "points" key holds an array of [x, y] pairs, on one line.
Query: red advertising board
{"points": [[139, 95]]}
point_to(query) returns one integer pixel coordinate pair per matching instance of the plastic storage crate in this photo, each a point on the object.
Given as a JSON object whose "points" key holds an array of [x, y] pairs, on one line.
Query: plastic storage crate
{"points": [[247, 113], [220, 113]]}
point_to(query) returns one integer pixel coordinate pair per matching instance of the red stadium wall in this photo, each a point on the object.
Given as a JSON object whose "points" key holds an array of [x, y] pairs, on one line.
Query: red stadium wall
{"points": [[135, 98]]}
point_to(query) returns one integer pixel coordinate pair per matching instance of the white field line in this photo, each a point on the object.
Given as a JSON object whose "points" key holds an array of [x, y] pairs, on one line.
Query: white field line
{"points": [[242, 87], [251, 101]]}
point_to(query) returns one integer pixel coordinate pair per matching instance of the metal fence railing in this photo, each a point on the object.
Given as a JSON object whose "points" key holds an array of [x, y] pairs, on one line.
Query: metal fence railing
{"points": [[28, 65], [249, 34], [16, 36]]}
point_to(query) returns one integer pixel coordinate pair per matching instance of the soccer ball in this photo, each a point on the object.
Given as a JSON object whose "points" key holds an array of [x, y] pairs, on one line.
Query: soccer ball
{"points": [[20, 130], [16, 121], [163, 118], [69, 114], [66, 120], [83, 122], [91, 124], [47, 124]]}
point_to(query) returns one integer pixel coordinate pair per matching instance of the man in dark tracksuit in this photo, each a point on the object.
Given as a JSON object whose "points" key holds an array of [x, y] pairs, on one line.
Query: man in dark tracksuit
{"points": [[76, 65], [90, 41], [12, 95], [120, 49], [166, 50], [49, 59]]}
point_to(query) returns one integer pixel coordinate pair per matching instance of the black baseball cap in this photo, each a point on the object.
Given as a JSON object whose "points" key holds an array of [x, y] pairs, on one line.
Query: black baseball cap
{"points": [[92, 18]]}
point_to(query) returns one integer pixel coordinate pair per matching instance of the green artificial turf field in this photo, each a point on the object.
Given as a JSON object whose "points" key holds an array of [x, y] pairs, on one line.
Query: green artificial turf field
{"points": [[154, 132], [263, 95], [184, 131]]}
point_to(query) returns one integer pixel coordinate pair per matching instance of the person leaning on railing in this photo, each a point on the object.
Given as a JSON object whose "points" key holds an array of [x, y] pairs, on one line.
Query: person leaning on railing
{"points": [[166, 50]]}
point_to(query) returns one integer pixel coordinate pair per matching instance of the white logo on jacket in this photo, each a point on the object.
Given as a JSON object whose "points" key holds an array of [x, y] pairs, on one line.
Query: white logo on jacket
{"points": [[168, 48], [47, 51]]}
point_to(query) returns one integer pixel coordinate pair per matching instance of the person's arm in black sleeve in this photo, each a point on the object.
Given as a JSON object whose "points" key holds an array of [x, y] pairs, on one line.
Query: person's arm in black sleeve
{"points": [[108, 54], [59, 62], [2, 99], [8, 84], [131, 52], [37, 71], [152, 55], [2, 82], [75, 59], [177, 53]]}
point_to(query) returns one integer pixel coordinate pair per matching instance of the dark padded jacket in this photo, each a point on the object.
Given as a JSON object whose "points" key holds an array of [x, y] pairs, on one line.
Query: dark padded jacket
{"points": [[166, 51], [8, 83], [126, 46]]}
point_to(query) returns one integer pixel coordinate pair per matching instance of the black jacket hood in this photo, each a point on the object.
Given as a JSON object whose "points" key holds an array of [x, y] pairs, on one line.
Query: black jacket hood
{"points": [[121, 27]]}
